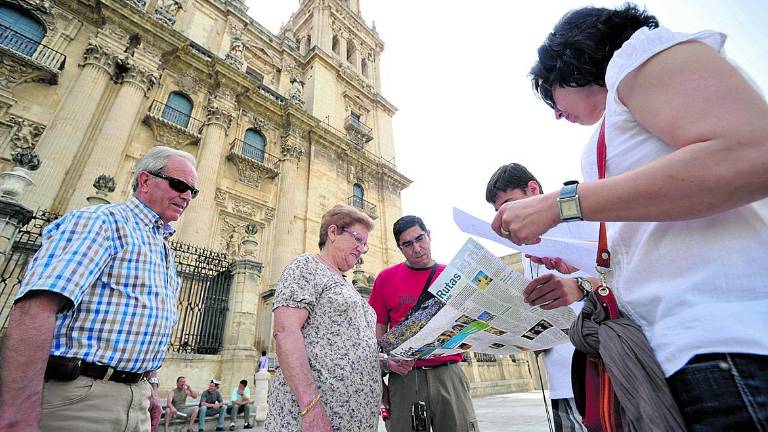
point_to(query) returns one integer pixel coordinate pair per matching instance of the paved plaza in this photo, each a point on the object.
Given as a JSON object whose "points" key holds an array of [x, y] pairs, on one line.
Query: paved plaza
{"points": [[523, 412]]}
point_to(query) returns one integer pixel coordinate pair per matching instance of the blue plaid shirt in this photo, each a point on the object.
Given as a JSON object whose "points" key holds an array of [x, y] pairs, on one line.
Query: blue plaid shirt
{"points": [[113, 263]]}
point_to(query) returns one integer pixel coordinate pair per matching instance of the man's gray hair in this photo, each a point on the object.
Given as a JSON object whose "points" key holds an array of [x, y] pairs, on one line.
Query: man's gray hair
{"points": [[155, 160]]}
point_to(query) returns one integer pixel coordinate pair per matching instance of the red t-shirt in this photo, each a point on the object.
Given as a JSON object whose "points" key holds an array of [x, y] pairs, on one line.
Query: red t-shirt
{"points": [[394, 293]]}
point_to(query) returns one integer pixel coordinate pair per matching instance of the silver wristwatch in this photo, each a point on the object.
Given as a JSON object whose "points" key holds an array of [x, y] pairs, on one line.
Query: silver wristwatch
{"points": [[584, 285]]}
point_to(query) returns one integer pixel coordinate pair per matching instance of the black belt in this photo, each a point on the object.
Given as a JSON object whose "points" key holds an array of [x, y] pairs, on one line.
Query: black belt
{"points": [[449, 362], [69, 368]]}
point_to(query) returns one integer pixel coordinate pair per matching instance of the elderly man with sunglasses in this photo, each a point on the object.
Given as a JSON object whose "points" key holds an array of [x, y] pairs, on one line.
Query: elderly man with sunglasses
{"points": [[95, 310], [438, 383]]}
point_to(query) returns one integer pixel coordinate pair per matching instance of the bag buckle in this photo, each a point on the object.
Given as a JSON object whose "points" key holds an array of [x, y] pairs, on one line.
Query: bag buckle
{"points": [[602, 273]]}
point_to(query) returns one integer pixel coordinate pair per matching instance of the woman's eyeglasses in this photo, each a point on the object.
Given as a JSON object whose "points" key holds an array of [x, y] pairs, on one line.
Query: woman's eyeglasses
{"points": [[177, 185], [362, 244]]}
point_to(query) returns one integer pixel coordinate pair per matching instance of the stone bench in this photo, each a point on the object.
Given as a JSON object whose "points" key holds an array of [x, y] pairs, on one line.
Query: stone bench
{"points": [[179, 424]]}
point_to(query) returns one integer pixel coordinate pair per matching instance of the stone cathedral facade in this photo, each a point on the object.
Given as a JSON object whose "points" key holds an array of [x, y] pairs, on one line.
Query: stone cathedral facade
{"points": [[283, 126]]}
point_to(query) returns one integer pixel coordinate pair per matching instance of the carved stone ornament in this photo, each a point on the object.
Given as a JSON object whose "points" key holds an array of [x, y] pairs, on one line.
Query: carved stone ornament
{"points": [[167, 10], [269, 214], [139, 4], [236, 54], [248, 245], [291, 151], [26, 158], [43, 6], [216, 114], [220, 197], [105, 183], [245, 208], [24, 134], [17, 69], [186, 82], [296, 93], [96, 54], [129, 72], [230, 233], [250, 171]]}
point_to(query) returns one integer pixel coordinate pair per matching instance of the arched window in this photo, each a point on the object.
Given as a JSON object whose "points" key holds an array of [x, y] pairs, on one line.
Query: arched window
{"points": [[358, 196], [254, 145], [335, 44], [178, 109], [20, 31]]}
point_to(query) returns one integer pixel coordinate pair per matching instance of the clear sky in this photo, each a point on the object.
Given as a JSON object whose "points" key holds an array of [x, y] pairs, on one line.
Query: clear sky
{"points": [[457, 71]]}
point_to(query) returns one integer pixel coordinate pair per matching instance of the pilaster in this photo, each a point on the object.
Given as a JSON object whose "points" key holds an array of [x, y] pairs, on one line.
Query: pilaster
{"points": [[109, 145], [199, 217], [63, 138]]}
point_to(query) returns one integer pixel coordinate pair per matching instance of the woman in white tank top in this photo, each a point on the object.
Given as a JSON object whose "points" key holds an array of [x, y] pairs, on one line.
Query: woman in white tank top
{"points": [[684, 196]]}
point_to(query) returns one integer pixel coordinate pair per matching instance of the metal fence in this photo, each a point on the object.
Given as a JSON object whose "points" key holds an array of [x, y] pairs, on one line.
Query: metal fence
{"points": [[203, 296]]}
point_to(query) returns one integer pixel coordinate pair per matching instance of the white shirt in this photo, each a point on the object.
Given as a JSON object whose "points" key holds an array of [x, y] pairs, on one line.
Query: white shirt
{"points": [[696, 286], [557, 360]]}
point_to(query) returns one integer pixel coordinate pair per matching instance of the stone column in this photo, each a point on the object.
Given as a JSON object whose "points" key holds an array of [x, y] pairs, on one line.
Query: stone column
{"points": [[238, 354], [110, 143], [289, 233], [66, 131], [197, 227]]}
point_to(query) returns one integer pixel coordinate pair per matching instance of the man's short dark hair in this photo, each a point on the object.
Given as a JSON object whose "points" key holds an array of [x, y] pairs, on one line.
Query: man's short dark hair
{"points": [[179, 379], [511, 176], [244, 382], [405, 223]]}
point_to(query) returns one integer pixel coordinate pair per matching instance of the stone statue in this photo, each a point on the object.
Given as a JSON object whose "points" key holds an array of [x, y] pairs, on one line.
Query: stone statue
{"points": [[236, 54], [297, 89]]}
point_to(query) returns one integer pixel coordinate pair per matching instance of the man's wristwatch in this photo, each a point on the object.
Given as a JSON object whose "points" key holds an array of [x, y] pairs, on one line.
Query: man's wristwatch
{"points": [[584, 285], [568, 202], [154, 380]]}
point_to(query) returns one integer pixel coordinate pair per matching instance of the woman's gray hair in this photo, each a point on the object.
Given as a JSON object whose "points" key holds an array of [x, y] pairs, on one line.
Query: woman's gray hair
{"points": [[155, 160]]}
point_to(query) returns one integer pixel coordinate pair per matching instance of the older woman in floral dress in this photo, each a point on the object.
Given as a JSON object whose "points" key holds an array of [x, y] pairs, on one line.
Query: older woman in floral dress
{"points": [[329, 376]]}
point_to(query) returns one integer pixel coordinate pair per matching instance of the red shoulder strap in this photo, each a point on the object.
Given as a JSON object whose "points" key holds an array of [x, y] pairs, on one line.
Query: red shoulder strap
{"points": [[603, 259]]}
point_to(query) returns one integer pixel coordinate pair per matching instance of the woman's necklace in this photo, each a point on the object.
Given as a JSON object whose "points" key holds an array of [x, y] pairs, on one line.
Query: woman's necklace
{"points": [[329, 265]]}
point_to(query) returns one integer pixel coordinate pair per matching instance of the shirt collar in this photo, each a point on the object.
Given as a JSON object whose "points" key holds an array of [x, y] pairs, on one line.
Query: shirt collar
{"points": [[148, 217]]}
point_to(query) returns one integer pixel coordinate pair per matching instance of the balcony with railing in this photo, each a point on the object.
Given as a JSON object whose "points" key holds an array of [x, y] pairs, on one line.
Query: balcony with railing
{"points": [[253, 164], [46, 60], [171, 126], [368, 154], [357, 130], [366, 207]]}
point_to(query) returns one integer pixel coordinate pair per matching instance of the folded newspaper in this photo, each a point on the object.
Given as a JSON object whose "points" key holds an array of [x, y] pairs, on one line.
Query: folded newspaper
{"points": [[478, 306]]}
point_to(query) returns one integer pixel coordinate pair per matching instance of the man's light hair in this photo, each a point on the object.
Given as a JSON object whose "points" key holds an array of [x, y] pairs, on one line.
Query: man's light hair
{"points": [[155, 160]]}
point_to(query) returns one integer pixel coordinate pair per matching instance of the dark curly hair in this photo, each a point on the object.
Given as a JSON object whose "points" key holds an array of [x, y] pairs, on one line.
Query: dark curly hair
{"points": [[577, 52]]}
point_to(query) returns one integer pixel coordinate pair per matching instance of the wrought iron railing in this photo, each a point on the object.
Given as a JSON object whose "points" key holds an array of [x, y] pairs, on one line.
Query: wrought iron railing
{"points": [[485, 358], [367, 207], [369, 154], [31, 48], [173, 116], [353, 123], [26, 244], [240, 147]]}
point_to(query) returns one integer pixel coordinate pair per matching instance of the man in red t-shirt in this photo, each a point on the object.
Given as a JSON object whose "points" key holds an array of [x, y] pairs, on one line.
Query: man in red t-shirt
{"points": [[438, 382]]}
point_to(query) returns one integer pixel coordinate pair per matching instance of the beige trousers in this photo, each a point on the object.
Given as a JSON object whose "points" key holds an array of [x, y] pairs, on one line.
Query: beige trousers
{"points": [[89, 405], [445, 390]]}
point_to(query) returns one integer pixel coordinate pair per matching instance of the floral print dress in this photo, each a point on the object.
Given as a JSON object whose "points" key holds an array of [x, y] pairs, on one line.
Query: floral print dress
{"points": [[340, 339]]}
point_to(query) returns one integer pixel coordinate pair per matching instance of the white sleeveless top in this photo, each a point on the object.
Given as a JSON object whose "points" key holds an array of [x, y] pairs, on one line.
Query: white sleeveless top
{"points": [[695, 287]]}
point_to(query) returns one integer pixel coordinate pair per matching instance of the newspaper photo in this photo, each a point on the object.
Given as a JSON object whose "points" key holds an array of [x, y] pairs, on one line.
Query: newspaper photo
{"points": [[478, 306]]}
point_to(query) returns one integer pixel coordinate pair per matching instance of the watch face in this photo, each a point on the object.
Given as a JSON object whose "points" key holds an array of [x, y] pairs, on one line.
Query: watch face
{"points": [[569, 208]]}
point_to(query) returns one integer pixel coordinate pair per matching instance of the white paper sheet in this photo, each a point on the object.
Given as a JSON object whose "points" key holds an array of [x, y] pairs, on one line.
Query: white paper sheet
{"points": [[574, 242]]}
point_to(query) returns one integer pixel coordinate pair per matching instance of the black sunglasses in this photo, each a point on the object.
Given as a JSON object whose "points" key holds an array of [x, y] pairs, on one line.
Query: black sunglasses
{"points": [[179, 186]]}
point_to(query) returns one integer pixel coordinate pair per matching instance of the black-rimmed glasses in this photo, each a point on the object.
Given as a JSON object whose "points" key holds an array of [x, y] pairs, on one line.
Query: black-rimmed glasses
{"points": [[418, 239], [177, 185]]}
